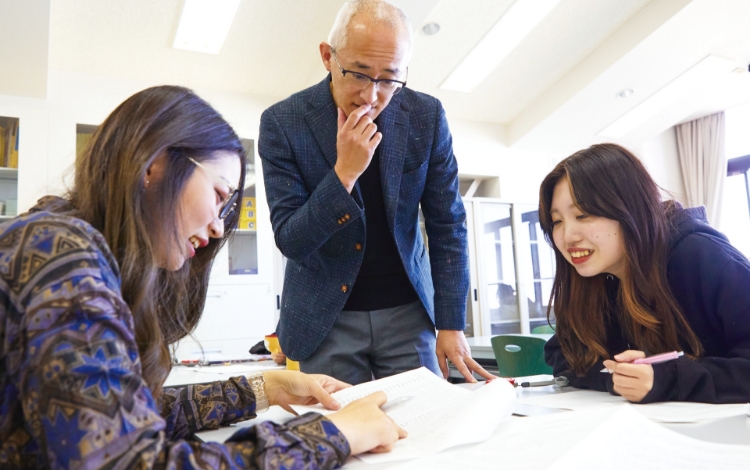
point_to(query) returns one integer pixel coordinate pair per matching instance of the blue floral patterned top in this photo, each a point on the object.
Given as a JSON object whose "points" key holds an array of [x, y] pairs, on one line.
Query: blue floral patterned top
{"points": [[71, 391]]}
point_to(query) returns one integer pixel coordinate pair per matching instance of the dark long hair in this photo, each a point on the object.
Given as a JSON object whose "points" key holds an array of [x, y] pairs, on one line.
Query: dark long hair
{"points": [[607, 180], [109, 193]]}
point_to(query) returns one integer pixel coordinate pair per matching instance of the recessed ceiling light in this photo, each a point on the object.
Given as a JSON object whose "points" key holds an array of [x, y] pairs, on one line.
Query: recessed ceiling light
{"points": [[204, 25], [624, 93], [520, 19], [430, 28], [701, 76]]}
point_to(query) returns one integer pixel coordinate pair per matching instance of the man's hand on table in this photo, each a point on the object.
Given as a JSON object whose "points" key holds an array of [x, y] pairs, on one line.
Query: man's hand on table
{"points": [[451, 344]]}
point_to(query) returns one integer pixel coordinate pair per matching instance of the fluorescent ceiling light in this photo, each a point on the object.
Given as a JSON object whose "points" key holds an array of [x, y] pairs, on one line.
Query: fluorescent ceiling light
{"points": [[702, 75], [522, 17], [204, 25]]}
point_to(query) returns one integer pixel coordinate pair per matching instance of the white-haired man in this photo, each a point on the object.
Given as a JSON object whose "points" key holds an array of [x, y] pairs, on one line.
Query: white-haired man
{"points": [[347, 164]]}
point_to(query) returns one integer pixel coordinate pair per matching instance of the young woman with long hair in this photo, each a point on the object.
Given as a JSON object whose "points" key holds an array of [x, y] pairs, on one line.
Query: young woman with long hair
{"points": [[638, 276], [96, 286]]}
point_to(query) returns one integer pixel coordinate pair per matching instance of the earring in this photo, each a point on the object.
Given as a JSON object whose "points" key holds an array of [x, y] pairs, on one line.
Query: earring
{"points": [[146, 182]]}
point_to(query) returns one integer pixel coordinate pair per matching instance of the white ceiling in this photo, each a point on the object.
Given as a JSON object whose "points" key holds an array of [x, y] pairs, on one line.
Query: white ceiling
{"points": [[553, 93]]}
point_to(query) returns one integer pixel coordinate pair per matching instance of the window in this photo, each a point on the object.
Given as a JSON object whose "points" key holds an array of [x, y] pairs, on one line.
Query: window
{"points": [[735, 210]]}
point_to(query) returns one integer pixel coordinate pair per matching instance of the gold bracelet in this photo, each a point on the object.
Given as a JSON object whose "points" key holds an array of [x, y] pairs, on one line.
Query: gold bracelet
{"points": [[258, 386]]}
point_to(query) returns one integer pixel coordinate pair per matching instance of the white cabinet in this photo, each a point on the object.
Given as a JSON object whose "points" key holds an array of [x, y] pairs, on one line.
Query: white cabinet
{"points": [[9, 143], [8, 193], [241, 306], [234, 319]]}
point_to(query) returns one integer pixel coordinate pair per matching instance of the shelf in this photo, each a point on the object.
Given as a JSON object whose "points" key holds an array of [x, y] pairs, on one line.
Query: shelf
{"points": [[8, 173]]}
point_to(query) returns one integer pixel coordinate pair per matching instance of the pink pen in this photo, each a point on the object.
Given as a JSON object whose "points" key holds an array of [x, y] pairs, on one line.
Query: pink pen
{"points": [[655, 359]]}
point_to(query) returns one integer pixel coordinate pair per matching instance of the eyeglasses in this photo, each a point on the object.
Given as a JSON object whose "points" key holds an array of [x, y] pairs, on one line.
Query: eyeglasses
{"points": [[230, 203], [359, 80]]}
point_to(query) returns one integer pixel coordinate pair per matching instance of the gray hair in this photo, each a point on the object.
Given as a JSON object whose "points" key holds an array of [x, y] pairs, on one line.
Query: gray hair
{"points": [[378, 10]]}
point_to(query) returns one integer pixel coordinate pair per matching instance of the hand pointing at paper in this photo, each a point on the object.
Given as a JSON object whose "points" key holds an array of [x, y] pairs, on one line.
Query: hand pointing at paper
{"points": [[366, 426], [631, 381], [363, 423]]}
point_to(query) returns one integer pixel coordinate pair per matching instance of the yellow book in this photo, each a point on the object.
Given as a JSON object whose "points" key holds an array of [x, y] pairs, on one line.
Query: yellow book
{"points": [[13, 153], [82, 142], [2, 146], [247, 214], [247, 225]]}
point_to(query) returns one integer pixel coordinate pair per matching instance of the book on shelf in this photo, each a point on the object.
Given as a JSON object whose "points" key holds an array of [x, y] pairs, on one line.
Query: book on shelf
{"points": [[15, 133], [9, 138], [3, 133]]}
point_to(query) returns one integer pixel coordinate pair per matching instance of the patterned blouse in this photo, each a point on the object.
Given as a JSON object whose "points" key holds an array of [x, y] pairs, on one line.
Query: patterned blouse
{"points": [[71, 391]]}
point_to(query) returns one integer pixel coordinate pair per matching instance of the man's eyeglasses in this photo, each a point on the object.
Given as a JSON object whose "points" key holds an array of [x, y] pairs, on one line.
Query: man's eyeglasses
{"points": [[230, 203], [359, 80]]}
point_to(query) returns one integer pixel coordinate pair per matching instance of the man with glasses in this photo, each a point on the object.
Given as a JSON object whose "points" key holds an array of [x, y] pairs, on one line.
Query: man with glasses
{"points": [[347, 164]]}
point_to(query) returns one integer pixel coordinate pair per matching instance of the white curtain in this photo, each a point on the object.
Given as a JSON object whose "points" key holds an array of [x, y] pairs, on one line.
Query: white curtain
{"points": [[700, 145]]}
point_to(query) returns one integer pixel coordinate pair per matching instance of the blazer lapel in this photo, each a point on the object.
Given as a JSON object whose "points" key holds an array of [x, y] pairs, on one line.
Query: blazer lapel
{"points": [[322, 120], [394, 121]]}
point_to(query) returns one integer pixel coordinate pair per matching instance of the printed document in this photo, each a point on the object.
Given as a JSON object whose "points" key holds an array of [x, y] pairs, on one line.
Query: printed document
{"points": [[440, 415]]}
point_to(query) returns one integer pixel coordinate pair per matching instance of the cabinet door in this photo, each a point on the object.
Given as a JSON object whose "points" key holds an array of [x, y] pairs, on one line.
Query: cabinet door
{"points": [[498, 297], [536, 263], [474, 326], [9, 143], [234, 319], [512, 268]]}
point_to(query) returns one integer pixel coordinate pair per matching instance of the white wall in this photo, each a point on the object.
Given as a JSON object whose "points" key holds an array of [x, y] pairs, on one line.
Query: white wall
{"points": [[481, 151], [47, 144], [660, 157]]}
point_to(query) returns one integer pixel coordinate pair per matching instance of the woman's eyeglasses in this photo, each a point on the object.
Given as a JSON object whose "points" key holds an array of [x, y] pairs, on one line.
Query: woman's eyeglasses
{"points": [[230, 203]]}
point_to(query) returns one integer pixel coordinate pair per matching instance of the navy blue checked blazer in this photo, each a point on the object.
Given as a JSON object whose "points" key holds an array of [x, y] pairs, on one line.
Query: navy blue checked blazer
{"points": [[317, 223]]}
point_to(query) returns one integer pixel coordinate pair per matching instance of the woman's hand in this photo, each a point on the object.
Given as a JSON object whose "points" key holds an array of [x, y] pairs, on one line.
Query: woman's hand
{"points": [[278, 357], [291, 387], [366, 426], [632, 381]]}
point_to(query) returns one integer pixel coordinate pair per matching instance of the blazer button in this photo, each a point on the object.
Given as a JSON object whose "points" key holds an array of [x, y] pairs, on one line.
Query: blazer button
{"points": [[346, 216], [344, 288], [341, 221], [357, 246]]}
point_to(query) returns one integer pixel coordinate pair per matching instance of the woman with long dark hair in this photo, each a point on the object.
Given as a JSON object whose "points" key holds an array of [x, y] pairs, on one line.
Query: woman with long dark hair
{"points": [[96, 286], [638, 276]]}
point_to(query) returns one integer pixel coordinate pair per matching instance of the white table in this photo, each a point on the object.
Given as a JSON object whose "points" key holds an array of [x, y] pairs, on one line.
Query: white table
{"points": [[184, 375], [491, 454]]}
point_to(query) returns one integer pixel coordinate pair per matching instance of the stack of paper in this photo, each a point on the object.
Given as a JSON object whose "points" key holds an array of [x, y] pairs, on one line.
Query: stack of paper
{"points": [[628, 440], [439, 416]]}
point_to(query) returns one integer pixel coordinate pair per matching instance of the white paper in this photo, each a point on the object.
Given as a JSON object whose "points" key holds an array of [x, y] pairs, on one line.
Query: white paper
{"points": [[574, 400], [439, 416], [668, 412], [429, 391], [628, 440], [684, 412], [528, 443]]}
